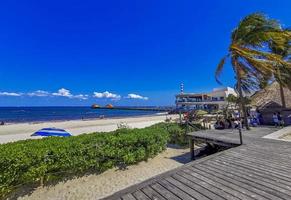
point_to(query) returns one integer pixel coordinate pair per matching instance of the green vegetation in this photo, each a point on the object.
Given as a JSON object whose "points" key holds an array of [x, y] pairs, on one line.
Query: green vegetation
{"points": [[36, 162], [251, 57], [177, 133]]}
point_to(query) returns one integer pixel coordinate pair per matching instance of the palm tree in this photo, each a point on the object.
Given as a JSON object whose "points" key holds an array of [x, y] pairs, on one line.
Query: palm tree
{"points": [[283, 75], [249, 56]]}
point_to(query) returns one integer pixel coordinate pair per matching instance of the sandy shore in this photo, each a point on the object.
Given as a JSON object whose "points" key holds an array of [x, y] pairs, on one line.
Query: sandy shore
{"points": [[287, 137], [281, 134], [15, 132], [99, 186]]}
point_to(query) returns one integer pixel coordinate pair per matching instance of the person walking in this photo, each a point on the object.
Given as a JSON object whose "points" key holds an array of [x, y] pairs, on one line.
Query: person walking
{"points": [[280, 120], [275, 119]]}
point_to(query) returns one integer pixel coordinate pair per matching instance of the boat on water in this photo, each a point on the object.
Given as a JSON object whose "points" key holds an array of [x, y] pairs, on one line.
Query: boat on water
{"points": [[94, 106], [109, 106]]}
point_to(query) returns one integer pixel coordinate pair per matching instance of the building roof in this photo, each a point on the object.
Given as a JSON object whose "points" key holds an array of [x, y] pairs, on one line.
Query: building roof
{"points": [[214, 91], [271, 94]]}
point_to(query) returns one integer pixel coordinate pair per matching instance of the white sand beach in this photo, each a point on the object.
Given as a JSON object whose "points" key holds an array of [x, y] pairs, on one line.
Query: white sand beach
{"points": [[23, 131], [99, 186]]}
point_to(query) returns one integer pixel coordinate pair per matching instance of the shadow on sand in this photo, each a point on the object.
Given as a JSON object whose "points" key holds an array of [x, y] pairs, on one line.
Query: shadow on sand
{"points": [[201, 151]]}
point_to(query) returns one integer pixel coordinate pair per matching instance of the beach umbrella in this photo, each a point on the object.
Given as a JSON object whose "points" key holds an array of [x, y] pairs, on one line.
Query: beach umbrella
{"points": [[46, 132], [201, 112]]}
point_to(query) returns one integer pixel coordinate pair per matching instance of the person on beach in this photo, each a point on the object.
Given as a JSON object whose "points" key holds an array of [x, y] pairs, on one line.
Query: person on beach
{"points": [[275, 119], [236, 123], [2, 123], [259, 118], [280, 119]]}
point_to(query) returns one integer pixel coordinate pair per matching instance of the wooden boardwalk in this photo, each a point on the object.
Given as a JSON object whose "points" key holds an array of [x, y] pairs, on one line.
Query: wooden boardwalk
{"points": [[258, 169]]}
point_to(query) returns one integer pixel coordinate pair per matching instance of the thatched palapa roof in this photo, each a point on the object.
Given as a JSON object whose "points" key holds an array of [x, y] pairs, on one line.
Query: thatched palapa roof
{"points": [[271, 94]]}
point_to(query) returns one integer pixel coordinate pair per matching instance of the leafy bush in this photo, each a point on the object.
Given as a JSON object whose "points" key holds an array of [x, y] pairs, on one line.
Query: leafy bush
{"points": [[177, 132], [33, 162]]}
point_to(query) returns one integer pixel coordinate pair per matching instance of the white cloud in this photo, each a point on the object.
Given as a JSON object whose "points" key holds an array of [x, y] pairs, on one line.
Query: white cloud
{"points": [[67, 93], [63, 93], [11, 94], [39, 93], [80, 96], [106, 95], [136, 96]]}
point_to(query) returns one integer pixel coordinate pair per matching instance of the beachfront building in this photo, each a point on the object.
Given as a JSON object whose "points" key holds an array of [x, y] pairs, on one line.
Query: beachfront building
{"points": [[208, 101]]}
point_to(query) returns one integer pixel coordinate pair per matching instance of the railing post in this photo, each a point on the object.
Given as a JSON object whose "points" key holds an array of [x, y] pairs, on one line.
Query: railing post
{"points": [[192, 151], [240, 133]]}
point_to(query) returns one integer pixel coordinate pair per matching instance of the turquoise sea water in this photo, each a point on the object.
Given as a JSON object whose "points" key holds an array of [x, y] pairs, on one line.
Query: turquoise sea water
{"points": [[39, 114]]}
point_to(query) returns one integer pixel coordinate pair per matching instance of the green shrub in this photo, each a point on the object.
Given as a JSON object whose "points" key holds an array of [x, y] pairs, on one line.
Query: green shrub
{"points": [[33, 162], [177, 132]]}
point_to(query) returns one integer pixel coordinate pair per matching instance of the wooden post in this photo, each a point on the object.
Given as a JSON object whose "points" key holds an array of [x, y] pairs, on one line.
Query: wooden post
{"points": [[192, 151], [240, 133]]}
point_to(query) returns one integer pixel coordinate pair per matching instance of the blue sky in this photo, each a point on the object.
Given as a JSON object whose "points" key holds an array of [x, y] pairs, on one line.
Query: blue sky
{"points": [[121, 52]]}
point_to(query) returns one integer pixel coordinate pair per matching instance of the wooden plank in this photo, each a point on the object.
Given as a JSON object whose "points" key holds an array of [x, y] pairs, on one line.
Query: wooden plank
{"points": [[256, 160], [128, 197], [264, 154], [216, 136], [260, 167], [140, 195], [175, 190], [261, 183], [164, 192], [262, 170], [265, 157], [216, 184], [245, 171], [152, 194], [269, 191], [271, 148], [234, 185], [186, 189], [196, 187], [277, 160], [203, 187]]}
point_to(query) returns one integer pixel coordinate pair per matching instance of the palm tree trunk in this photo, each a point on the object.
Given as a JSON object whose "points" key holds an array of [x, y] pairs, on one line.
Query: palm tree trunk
{"points": [[282, 96], [281, 87], [242, 102]]}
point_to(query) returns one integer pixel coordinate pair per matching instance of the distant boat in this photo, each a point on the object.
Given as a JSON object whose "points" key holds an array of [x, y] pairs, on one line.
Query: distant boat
{"points": [[94, 106], [109, 106], [47, 132]]}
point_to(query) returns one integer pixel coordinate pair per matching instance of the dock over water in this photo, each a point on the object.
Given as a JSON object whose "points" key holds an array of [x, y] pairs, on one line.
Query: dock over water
{"points": [[258, 169], [158, 109]]}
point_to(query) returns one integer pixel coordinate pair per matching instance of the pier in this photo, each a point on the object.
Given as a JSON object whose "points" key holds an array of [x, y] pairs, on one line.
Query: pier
{"points": [[158, 109]]}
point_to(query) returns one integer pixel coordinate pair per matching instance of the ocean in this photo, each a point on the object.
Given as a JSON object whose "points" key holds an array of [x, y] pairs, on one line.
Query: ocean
{"points": [[41, 114]]}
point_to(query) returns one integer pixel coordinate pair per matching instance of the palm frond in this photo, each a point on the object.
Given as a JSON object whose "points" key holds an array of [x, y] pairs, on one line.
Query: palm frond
{"points": [[220, 68], [259, 56], [260, 51], [252, 30]]}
